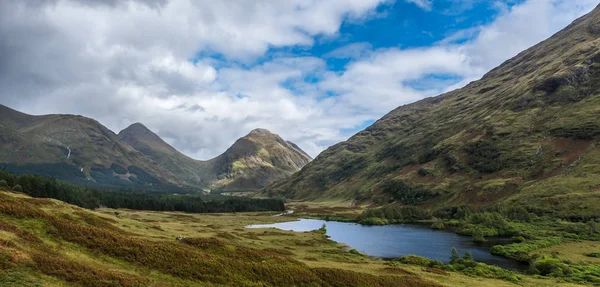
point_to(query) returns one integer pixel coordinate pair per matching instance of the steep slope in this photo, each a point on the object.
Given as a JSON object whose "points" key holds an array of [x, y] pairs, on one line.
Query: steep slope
{"points": [[250, 163], [73, 148], [151, 145], [526, 133], [256, 160]]}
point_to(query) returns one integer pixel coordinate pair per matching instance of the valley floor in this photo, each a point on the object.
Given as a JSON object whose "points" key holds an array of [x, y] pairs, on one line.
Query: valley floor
{"points": [[49, 243]]}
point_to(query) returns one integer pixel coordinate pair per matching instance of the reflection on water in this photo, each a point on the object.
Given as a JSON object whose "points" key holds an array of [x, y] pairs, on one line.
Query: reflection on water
{"points": [[391, 241]]}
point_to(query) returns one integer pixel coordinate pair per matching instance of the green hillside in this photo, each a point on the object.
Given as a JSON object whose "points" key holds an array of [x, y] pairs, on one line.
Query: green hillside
{"points": [[252, 162], [525, 134], [82, 151], [76, 149]]}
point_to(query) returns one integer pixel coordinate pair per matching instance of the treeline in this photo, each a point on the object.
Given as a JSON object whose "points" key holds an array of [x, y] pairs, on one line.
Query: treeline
{"points": [[392, 214], [103, 177], [47, 187]]}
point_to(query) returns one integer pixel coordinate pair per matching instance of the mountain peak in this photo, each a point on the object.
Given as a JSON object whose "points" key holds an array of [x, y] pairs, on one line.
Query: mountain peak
{"points": [[138, 127], [260, 132], [138, 131]]}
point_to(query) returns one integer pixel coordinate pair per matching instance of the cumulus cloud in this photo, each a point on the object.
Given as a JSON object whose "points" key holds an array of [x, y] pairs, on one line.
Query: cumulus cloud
{"points": [[150, 61]]}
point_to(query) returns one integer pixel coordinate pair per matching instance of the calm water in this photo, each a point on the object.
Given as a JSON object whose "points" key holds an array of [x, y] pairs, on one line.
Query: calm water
{"points": [[390, 241]]}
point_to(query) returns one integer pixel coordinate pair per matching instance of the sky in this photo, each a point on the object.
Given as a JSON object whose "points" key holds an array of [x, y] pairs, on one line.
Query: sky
{"points": [[203, 73]]}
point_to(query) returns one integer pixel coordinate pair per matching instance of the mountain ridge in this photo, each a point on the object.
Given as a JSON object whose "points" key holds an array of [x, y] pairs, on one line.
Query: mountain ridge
{"points": [[240, 167], [83, 151], [519, 135]]}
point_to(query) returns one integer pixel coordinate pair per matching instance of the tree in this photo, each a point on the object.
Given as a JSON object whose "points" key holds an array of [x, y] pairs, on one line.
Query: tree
{"points": [[3, 183], [18, 188], [454, 256], [468, 256]]}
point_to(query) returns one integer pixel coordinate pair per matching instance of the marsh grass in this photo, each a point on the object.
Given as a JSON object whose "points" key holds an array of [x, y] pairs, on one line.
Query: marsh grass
{"points": [[204, 260]]}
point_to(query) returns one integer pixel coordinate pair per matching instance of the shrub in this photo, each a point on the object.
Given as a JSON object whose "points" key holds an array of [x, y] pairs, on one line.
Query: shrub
{"points": [[407, 193], [518, 239], [18, 188], [437, 225], [484, 156], [454, 257], [468, 256], [396, 214], [478, 237], [3, 183], [372, 221], [550, 266]]}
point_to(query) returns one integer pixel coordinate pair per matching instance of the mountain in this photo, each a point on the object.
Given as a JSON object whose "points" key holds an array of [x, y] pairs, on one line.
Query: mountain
{"points": [[256, 160], [151, 145], [74, 148], [251, 162], [527, 133], [83, 151]]}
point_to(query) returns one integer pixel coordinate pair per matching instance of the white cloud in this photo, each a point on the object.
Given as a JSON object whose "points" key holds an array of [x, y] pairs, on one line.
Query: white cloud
{"points": [[127, 61], [424, 4]]}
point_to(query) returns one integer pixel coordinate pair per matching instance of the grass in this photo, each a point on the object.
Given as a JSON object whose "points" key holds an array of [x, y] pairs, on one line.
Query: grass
{"points": [[80, 247], [140, 248]]}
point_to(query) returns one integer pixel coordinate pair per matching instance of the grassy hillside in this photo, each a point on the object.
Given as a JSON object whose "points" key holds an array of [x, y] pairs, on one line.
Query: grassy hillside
{"points": [[525, 134], [49, 243], [151, 145], [256, 160], [76, 149], [82, 151], [252, 162]]}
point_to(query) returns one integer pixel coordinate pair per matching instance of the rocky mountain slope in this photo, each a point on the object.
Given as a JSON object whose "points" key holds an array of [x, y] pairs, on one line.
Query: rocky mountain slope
{"points": [[251, 162], [83, 151], [151, 145], [527, 133], [76, 149], [256, 160]]}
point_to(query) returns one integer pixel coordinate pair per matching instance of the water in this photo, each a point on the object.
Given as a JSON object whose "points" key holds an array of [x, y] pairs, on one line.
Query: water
{"points": [[391, 241]]}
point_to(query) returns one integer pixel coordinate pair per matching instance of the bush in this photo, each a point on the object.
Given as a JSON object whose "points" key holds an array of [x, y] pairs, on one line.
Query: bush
{"points": [[3, 183], [407, 193], [372, 221], [395, 214], [18, 188], [454, 257], [437, 225], [484, 156], [549, 266], [518, 239], [468, 256], [478, 237]]}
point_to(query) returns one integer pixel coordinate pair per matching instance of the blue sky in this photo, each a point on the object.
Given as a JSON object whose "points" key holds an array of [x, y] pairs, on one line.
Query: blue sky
{"points": [[203, 73]]}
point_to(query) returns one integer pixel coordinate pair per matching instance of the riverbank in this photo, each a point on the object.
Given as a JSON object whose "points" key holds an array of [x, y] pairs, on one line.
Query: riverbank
{"points": [[534, 239]]}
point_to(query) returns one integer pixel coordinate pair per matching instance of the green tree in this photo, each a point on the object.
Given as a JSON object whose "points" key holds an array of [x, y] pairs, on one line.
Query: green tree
{"points": [[468, 256], [454, 256]]}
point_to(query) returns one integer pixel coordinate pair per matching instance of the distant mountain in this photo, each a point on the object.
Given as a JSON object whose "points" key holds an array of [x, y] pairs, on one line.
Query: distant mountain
{"points": [[251, 162], [185, 168], [76, 149], [83, 151], [526, 134], [256, 160]]}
